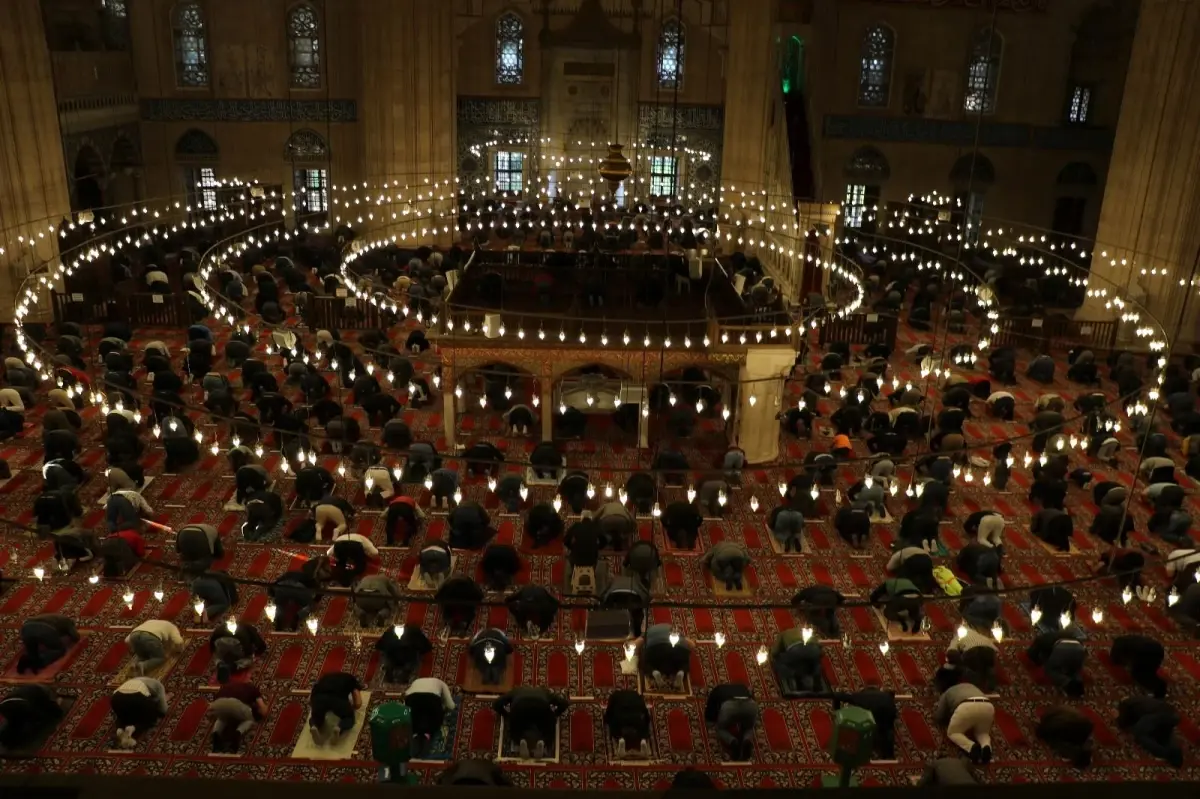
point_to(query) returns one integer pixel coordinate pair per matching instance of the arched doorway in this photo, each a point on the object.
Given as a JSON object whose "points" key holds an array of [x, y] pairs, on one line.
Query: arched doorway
{"points": [[89, 178], [596, 403], [485, 393]]}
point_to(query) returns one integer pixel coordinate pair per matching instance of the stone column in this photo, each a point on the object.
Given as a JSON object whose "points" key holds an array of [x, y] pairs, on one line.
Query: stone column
{"points": [[762, 377], [33, 178], [547, 410], [749, 77], [1150, 218], [408, 103], [448, 418]]}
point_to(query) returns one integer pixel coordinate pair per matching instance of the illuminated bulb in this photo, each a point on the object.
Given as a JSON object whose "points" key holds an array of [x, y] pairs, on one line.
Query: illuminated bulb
{"points": [[491, 484], [1043, 460], [622, 497], [39, 572], [625, 338], [646, 411], [721, 498], [815, 492], [562, 335], [1172, 597], [312, 624], [489, 653], [199, 607], [806, 634], [158, 594], [270, 610], [884, 647], [761, 655], [630, 650], [562, 407], [591, 491], [868, 481], [557, 504], [1064, 620], [128, 596], [1097, 615], [524, 493], [482, 401], [725, 414], [754, 508], [536, 400], [987, 478], [1035, 614], [258, 450], [591, 400], [341, 470], [458, 392], [962, 631], [93, 579], [157, 431], [753, 400], [199, 436], [457, 496], [312, 457], [997, 632], [699, 406], [691, 494], [1127, 594], [656, 511], [369, 483], [396, 473], [231, 624], [283, 466], [215, 448], [828, 388], [428, 482], [782, 488]]}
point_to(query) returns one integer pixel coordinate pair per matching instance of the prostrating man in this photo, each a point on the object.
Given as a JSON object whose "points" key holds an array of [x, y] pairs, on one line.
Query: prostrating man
{"points": [[27, 711], [489, 650], [429, 699], [901, 601], [628, 722], [658, 656], [335, 699], [1143, 656], [402, 647], [727, 560], [137, 705], [1068, 732], [533, 609], [882, 707], [1062, 655], [235, 649], [731, 707], [376, 599], [796, 659], [968, 716], [1152, 722], [45, 638], [237, 707], [151, 642], [530, 716]]}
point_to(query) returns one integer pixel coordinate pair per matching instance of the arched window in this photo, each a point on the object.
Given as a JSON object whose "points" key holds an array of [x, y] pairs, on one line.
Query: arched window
{"points": [[510, 50], [191, 45], [306, 145], [983, 73], [114, 20], [875, 74], [304, 47], [670, 55]]}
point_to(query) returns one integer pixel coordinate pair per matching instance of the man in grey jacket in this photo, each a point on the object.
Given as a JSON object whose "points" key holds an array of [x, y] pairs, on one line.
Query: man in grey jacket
{"points": [[376, 598], [968, 716], [727, 561], [530, 716]]}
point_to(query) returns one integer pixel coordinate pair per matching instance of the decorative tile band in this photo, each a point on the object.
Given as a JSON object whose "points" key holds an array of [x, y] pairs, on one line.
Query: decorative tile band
{"points": [[939, 131], [232, 110]]}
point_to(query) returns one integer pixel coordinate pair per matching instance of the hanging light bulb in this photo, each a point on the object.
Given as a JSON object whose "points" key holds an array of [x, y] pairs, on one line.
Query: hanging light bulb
{"points": [[369, 483], [557, 504], [656, 511], [198, 606], [523, 491], [815, 492], [458, 496], [1064, 619], [128, 596], [691, 494], [579, 644], [491, 484], [754, 505], [962, 631], [761, 655], [270, 610], [312, 624], [920, 489], [725, 414], [868, 481], [398, 630], [489, 652], [630, 650], [622, 497], [258, 450], [1035, 614], [159, 594], [341, 469], [753, 400], [93, 579], [806, 634], [231, 624], [997, 632], [721, 498], [1097, 615], [884, 646], [591, 491], [39, 572], [1127, 594]]}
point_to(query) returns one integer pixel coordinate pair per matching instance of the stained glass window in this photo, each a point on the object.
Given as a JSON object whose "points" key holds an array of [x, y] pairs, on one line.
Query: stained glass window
{"points": [[983, 73], [312, 190], [854, 205], [670, 55], [663, 170], [191, 45], [510, 50], [510, 171], [875, 74], [1081, 103], [304, 47]]}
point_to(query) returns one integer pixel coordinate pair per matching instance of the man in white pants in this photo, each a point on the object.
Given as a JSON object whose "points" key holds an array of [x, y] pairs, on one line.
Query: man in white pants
{"points": [[968, 716], [991, 530]]}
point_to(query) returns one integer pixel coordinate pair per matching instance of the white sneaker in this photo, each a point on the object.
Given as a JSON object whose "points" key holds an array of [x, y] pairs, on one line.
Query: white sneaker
{"points": [[539, 751], [658, 678], [680, 681], [523, 749], [620, 749], [318, 735], [645, 749]]}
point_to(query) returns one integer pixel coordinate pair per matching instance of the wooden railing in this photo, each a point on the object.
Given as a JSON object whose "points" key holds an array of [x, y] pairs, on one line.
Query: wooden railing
{"points": [[1040, 334], [860, 328], [345, 313]]}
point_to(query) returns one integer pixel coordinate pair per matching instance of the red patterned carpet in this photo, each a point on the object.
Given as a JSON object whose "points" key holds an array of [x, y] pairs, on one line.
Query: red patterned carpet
{"points": [[792, 736]]}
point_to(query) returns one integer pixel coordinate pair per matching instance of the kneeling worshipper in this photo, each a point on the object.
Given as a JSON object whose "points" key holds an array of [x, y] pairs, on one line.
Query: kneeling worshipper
{"points": [[235, 647], [151, 642], [968, 716], [350, 554], [1068, 732], [27, 711], [458, 600], [1152, 723], [489, 650], [658, 655], [429, 700], [137, 705], [796, 659], [901, 600], [1143, 656], [402, 647], [198, 546], [530, 715], [218, 592], [731, 707], [335, 698], [237, 707], [1061, 654], [474, 772], [628, 722], [376, 600], [727, 561], [819, 604], [45, 639], [533, 608]]}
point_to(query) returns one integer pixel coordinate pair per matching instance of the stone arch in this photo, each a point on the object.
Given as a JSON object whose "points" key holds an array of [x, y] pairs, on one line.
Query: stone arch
{"points": [[973, 170], [306, 145], [196, 145], [868, 166]]}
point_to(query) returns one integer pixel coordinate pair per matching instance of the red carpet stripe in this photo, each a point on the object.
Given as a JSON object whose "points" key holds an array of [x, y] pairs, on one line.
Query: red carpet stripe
{"points": [[190, 721], [864, 620], [858, 576], [918, 731], [96, 716], [696, 672], [202, 491], [139, 604], [96, 604], [558, 670], [776, 727], [335, 611], [259, 566], [673, 574], [865, 666], [287, 724], [1101, 731], [505, 534], [582, 737], [679, 732], [750, 533], [57, 602], [603, 674], [483, 730], [175, 604], [1159, 618], [172, 488], [372, 666], [822, 575], [937, 617], [744, 621], [289, 662], [198, 664], [735, 668], [1118, 673], [703, 620], [784, 620], [1188, 663], [909, 667], [335, 660], [785, 575], [1010, 729], [17, 599], [822, 725]]}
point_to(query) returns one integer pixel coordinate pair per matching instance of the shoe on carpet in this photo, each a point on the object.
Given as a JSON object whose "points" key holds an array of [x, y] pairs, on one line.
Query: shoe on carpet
{"points": [[657, 676], [539, 751], [645, 749], [217, 744], [620, 748], [680, 681], [985, 755], [747, 749], [976, 753], [523, 749], [318, 735]]}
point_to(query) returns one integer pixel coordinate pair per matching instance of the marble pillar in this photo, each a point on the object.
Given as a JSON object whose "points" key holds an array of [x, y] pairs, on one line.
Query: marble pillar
{"points": [[762, 377], [33, 178], [1150, 218], [408, 106], [750, 77]]}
